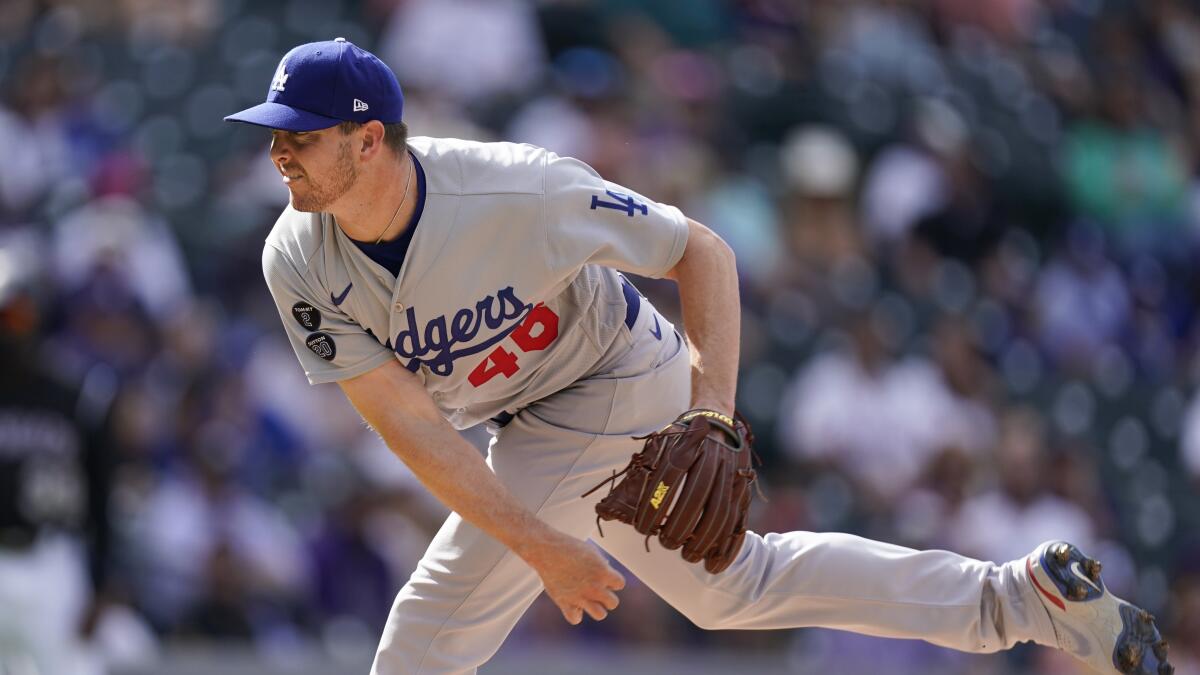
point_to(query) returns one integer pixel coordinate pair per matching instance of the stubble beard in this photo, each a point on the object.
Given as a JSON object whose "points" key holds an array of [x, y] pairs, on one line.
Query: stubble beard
{"points": [[320, 196]]}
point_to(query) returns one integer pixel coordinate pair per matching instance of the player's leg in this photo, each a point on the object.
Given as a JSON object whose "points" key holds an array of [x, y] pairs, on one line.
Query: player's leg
{"points": [[468, 590], [841, 581]]}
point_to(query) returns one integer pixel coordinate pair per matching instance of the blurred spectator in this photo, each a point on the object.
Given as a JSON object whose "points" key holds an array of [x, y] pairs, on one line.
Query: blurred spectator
{"points": [[182, 21], [117, 233], [880, 422], [821, 234], [1019, 512], [352, 579], [192, 520], [1123, 172], [907, 182], [968, 222], [56, 459], [1082, 302], [221, 612], [33, 130], [494, 42], [740, 209]]}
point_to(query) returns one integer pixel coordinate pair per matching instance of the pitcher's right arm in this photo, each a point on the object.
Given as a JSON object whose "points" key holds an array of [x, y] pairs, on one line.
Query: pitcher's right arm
{"points": [[395, 404]]}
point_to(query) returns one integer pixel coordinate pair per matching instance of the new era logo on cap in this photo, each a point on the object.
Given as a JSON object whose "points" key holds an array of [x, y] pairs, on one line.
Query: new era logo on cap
{"points": [[319, 84]]}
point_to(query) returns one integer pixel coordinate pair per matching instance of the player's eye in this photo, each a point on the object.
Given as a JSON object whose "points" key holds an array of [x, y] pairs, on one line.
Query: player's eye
{"points": [[298, 137]]}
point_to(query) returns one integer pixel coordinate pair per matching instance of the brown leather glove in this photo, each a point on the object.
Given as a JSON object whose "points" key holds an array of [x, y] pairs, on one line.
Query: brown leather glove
{"points": [[689, 486]]}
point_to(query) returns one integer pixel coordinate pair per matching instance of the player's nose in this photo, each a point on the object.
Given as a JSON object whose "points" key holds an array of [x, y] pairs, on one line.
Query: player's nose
{"points": [[279, 150]]}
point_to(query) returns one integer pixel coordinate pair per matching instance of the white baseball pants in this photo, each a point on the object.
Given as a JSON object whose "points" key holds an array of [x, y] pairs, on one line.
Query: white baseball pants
{"points": [[468, 591]]}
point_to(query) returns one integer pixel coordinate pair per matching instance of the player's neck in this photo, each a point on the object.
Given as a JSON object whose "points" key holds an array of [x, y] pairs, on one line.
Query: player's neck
{"points": [[377, 201]]}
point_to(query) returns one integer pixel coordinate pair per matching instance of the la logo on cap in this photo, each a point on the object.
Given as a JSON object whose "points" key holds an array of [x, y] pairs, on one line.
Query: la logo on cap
{"points": [[281, 77], [339, 82]]}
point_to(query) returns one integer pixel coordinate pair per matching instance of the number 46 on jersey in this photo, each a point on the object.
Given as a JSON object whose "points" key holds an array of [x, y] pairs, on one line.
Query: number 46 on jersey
{"points": [[534, 334]]}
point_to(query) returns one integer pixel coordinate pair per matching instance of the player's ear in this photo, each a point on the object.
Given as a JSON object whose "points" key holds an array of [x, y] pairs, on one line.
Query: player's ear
{"points": [[371, 139]]}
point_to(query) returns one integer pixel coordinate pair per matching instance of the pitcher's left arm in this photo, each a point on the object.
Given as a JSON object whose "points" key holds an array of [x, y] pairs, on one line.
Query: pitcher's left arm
{"points": [[708, 293]]}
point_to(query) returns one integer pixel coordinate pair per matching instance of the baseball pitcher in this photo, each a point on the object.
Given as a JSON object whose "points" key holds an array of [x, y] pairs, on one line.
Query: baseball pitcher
{"points": [[443, 283]]}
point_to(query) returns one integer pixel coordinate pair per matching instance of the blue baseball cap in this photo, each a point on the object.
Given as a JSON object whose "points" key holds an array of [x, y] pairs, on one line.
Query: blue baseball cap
{"points": [[320, 84]]}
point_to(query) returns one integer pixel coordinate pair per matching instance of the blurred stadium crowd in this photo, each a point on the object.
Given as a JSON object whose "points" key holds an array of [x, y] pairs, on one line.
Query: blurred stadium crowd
{"points": [[967, 233]]}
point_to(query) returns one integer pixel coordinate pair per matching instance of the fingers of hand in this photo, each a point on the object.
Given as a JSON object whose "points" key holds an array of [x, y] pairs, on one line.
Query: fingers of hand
{"points": [[591, 588], [608, 599], [599, 601], [573, 615], [614, 580], [595, 610]]}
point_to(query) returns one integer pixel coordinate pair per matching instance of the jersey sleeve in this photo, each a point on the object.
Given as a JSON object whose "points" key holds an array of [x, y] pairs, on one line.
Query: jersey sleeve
{"points": [[593, 221], [330, 345]]}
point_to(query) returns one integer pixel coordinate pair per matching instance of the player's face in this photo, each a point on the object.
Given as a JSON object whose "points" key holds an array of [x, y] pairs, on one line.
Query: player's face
{"points": [[317, 166]]}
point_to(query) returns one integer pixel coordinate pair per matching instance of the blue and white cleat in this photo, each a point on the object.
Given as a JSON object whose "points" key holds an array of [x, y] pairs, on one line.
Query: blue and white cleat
{"points": [[1093, 625]]}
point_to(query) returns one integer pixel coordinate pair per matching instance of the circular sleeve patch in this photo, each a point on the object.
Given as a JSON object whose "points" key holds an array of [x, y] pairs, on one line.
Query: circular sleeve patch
{"points": [[322, 345], [306, 315]]}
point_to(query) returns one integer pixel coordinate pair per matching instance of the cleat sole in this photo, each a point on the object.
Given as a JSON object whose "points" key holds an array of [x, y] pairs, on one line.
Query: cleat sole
{"points": [[1086, 616]]}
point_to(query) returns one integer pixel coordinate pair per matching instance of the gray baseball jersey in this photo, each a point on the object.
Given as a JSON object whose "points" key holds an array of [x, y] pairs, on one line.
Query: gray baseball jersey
{"points": [[508, 290]]}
